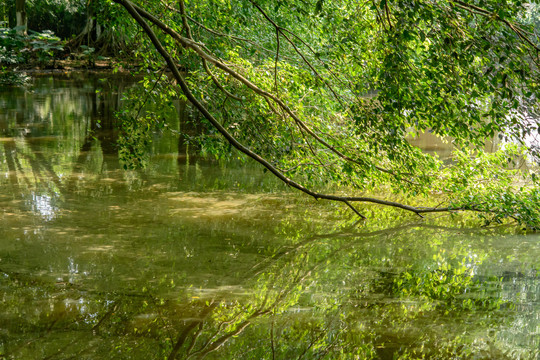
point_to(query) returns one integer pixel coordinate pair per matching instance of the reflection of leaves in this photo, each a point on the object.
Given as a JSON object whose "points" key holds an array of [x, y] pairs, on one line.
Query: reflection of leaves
{"points": [[12, 78], [133, 143], [448, 283], [313, 296]]}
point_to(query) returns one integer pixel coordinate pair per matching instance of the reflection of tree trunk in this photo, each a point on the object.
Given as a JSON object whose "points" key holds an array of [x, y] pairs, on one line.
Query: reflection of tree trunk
{"points": [[9, 149], [39, 162], [189, 126], [21, 111], [78, 166], [102, 129], [20, 8], [101, 126], [103, 132]]}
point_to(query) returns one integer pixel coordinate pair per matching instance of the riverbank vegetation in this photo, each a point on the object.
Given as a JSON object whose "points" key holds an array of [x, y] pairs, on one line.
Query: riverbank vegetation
{"points": [[326, 95]]}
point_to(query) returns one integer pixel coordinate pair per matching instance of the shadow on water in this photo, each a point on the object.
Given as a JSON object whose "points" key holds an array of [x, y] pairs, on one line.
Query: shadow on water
{"points": [[192, 259]]}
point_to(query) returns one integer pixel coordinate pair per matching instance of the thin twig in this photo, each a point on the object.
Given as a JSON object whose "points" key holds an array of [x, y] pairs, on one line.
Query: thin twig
{"points": [[276, 64], [354, 209], [514, 27], [388, 15], [217, 83], [308, 63]]}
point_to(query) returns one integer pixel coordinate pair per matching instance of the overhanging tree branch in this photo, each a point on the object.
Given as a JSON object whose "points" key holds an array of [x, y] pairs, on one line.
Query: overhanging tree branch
{"points": [[514, 27], [137, 13], [193, 45]]}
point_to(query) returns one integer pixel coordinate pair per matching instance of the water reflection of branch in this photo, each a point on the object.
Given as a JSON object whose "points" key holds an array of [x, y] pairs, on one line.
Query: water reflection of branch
{"points": [[195, 337], [104, 318], [319, 336], [388, 231], [193, 323], [219, 329], [239, 320], [338, 234], [302, 272], [272, 338], [208, 348]]}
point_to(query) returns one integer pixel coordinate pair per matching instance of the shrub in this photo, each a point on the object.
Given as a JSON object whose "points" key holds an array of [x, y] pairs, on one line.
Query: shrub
{"points": [[37, 46]]}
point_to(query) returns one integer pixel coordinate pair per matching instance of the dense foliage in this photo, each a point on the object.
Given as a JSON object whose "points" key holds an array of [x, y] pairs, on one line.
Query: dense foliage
{"points": [[36, 47], [328, 93], [79, 25]]}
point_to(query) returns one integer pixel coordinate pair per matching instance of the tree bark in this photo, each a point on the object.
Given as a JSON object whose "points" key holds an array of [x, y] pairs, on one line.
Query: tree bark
{"points": [[22, 20]]}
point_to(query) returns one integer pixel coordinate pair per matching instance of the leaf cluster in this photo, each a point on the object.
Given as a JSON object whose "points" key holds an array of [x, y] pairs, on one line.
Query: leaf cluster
{"points": [[16, 48], [328, 98]]}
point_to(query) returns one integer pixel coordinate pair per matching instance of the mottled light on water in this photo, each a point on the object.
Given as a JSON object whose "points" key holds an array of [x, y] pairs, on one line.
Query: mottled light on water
{"points": [[41, 205], [190, 258]]}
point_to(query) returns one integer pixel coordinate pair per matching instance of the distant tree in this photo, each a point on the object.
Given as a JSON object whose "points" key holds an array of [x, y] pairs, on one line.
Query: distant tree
{"points": [[103, 29], [4, 14], [22, 20], [63, 17]]}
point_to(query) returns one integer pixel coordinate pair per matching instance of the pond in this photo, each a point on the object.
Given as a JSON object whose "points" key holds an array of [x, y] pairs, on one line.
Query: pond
{"points": [[192, 258]]}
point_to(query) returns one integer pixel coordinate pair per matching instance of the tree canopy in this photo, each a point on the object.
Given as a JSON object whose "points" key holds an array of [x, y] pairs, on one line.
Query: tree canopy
{"points": [[327, 94]]}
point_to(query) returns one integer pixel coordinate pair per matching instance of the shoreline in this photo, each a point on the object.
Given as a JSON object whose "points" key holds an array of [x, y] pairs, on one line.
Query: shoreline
{"points": [[62, 66]]}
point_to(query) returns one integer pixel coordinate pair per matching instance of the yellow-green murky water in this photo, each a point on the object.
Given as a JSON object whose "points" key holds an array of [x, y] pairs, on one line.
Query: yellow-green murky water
{"points": [[193, 259]]}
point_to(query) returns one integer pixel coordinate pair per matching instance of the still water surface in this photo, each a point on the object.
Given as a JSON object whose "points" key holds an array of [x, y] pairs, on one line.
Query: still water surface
{"points": [[192, 259]]}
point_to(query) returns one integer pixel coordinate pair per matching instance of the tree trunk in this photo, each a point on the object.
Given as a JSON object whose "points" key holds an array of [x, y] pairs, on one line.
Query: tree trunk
{"points": [[22, 21]]}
